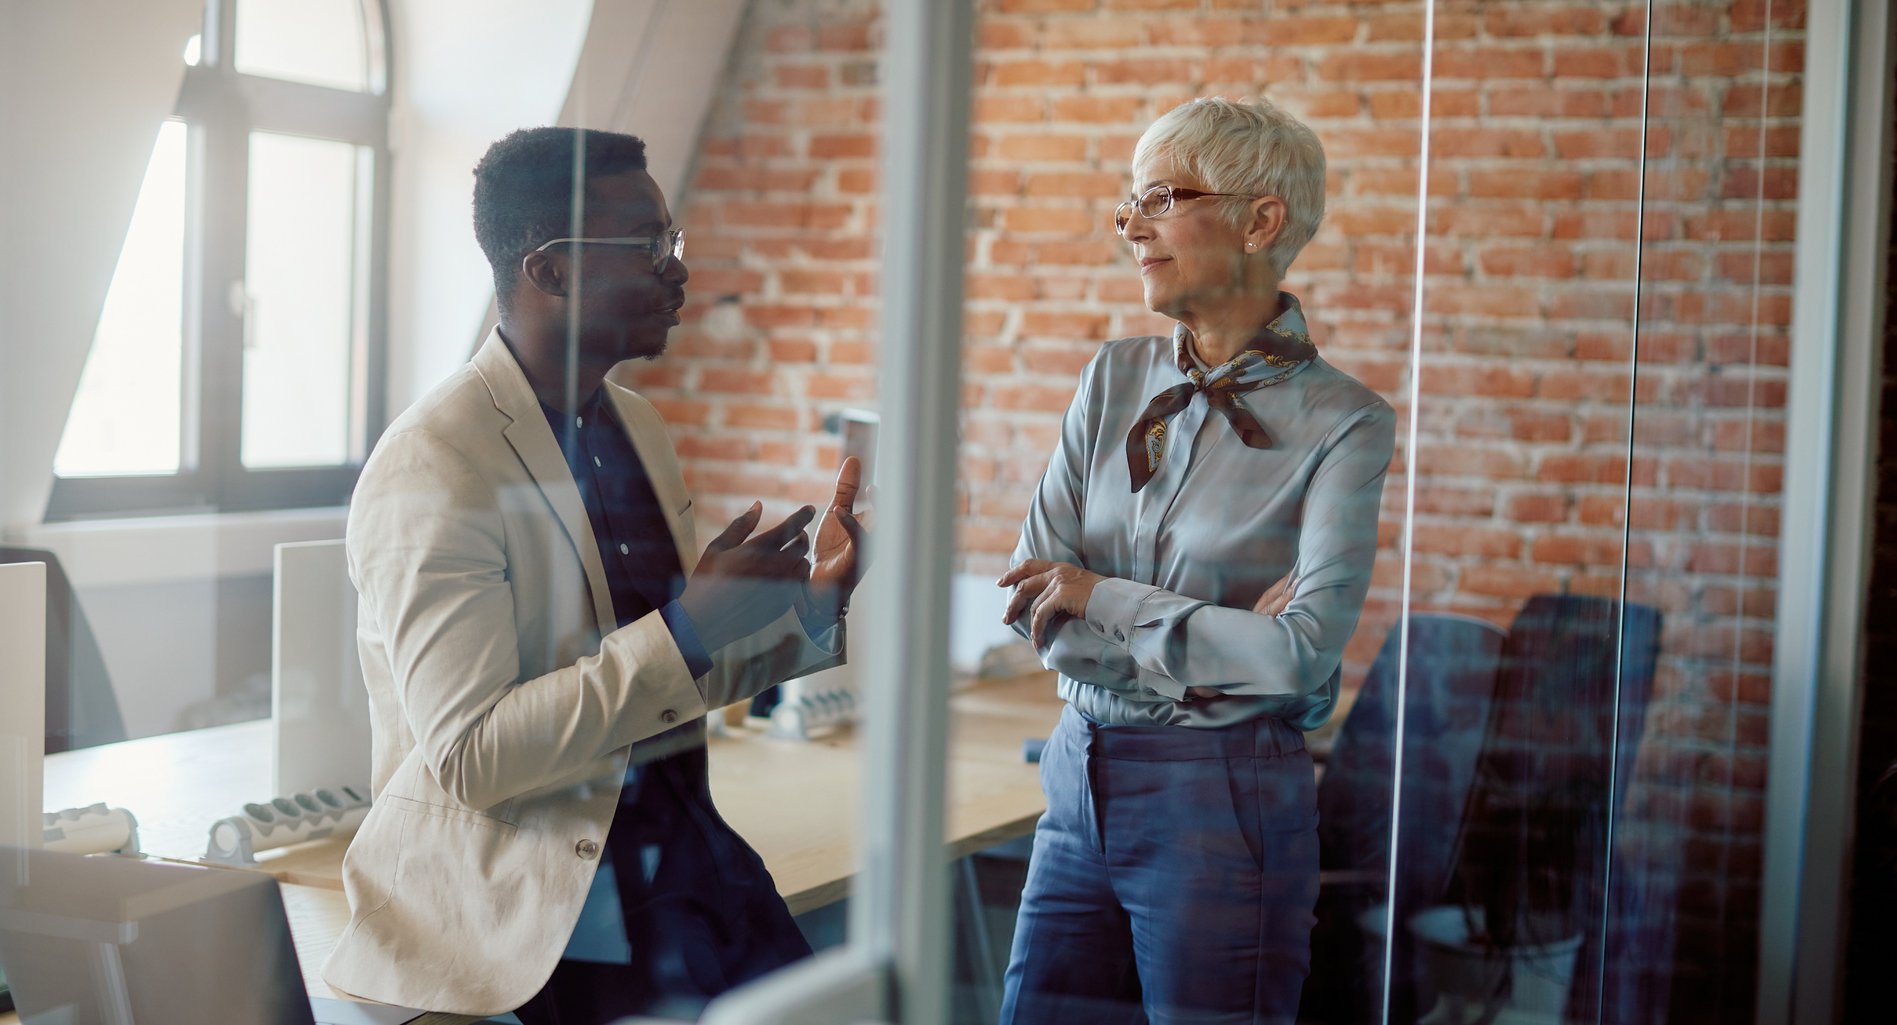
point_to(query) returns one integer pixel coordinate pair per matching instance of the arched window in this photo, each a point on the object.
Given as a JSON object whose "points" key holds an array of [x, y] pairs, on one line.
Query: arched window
{"points": [[238, 360]]}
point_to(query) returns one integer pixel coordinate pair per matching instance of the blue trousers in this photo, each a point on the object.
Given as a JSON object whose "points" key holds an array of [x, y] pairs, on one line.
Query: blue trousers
{"points": [[1173, 877], [702, 913]]}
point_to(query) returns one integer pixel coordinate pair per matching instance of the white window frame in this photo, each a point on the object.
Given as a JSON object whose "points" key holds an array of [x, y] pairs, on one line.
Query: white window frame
{"points": [[221, 107]]}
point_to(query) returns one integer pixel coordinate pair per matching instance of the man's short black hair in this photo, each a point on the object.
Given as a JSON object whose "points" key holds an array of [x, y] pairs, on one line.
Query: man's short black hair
{"points": [[523, 191]]}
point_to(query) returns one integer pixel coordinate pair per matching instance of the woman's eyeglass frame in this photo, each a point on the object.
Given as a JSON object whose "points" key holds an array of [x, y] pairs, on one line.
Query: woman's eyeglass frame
{"points": [[1157, 202], [663, 248]]}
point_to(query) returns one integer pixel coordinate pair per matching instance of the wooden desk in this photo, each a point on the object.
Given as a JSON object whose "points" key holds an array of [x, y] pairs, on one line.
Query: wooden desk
{"points": [[795, 801]]}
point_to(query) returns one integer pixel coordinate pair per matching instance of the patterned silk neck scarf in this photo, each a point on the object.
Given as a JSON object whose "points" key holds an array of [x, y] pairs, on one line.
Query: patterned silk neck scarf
{"points": [[1279, 350]]}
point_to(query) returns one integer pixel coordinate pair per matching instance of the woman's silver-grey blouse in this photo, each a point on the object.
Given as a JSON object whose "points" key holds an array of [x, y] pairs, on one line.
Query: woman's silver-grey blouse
{"points": [[1187, 557]]}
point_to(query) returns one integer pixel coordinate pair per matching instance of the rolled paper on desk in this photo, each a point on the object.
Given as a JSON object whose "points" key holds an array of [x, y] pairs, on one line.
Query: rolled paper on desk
{"points": [[95, 829], [324, 812], [806, 709]]}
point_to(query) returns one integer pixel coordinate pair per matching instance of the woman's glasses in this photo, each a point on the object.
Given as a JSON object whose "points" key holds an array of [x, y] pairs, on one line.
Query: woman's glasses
{"points": [[1156, 201]]}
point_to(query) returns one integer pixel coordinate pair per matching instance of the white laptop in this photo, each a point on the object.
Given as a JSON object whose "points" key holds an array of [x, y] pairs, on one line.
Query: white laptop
{"points": [[117, 941]]}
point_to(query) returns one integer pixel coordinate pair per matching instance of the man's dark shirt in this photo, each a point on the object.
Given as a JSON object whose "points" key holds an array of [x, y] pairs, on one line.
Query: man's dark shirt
{"points": [[635, 543]]}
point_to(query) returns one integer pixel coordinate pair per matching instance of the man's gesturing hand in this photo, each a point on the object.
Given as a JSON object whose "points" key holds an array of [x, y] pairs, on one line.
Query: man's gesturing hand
{"points": [[841, 539], [742, 582], [1049, 588]]}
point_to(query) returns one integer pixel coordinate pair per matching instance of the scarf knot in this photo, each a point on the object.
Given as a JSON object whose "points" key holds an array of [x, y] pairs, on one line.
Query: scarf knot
{"points": [[1279, 350]]}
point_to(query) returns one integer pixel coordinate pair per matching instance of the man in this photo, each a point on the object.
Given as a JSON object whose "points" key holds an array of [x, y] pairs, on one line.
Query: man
{"points": [[541, 641]]}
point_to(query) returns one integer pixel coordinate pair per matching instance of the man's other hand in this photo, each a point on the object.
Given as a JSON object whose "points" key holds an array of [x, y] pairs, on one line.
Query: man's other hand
{"points": [[842, 539], [744, 582]]}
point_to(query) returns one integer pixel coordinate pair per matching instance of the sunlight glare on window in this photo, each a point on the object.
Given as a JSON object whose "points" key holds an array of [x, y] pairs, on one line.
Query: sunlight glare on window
{"points": [[125, 417], [300, 274], [321, 42]]}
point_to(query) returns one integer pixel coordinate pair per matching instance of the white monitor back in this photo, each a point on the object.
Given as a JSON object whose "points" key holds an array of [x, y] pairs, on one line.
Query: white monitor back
{"points": [[321, 709], [22, 702]]}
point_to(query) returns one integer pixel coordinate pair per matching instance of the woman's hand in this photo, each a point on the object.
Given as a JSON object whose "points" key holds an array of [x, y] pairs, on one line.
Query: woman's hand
{"points": [[1046, 589], [1277, 597]]}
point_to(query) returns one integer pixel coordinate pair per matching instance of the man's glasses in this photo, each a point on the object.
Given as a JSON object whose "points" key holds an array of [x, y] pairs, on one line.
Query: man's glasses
{"points": [[1156, 201], [662, 248]]}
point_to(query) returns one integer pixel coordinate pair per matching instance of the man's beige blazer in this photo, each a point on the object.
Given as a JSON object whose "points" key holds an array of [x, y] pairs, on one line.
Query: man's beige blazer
{"points": [[505, 706]]}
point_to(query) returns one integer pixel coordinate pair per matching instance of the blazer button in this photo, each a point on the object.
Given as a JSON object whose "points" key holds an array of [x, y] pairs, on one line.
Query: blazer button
{"points": [[587, 849], [668, 716]]}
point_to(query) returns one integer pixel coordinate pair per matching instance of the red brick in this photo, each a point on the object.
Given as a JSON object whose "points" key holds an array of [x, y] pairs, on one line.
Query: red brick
{"points": [[1035, 73], [1095, 109], [760, 416], [1028, 396], [1558, 21], [1057, 324], [1523, 262], [1490, 62], [1537, 507], [1577, 550], [1523, 183], [1065, 220], [1507, 581], [994, 33], [1103, 32], [1075, 184], [1487, 543], [1042, 147], [1371, 66]]}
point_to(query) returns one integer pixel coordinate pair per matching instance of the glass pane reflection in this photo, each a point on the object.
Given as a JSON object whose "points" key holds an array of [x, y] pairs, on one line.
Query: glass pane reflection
{"points": [[125, 416]]}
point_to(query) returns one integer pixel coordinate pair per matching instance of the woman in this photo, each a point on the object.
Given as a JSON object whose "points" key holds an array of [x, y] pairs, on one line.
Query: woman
{"points": [[1193, 563]]}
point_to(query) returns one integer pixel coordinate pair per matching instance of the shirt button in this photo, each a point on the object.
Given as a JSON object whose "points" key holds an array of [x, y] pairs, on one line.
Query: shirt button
{"points": [[1118, 634], [579, 421], [596, 461], [587, 849], [668, 716], [623, 550]]}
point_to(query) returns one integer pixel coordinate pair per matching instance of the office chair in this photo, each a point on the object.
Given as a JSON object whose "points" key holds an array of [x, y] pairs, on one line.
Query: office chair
{"points": [[81, 708], [1576, 675], [1451, 680]]}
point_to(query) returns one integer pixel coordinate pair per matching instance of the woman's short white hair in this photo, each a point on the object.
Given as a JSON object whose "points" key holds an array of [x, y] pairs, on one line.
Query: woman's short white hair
{"points": [[1251, 148]]}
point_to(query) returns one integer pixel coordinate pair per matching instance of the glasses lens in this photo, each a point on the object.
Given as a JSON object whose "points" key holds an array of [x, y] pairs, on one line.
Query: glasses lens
{"points": [[1157, 200], [1122, 214]]}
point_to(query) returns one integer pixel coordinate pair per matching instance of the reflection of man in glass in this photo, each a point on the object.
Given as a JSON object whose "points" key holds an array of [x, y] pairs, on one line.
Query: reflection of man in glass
{"points": [[1193, 563], [542, 641]]}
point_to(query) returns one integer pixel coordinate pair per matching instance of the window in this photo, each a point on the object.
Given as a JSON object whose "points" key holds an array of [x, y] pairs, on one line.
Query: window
{"points": [[237, 362]]}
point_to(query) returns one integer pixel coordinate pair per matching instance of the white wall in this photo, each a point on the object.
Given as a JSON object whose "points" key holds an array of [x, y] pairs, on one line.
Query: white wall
{"points": [[466, 73], [469, 72], [84, 85]]}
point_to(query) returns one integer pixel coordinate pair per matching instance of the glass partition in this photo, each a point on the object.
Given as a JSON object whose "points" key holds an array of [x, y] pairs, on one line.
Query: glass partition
{"points": [[1401, 654], [1553, 696]]}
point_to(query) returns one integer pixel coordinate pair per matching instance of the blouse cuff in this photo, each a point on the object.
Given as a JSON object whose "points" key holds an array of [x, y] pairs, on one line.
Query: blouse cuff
{"points": [[1113, 605]]}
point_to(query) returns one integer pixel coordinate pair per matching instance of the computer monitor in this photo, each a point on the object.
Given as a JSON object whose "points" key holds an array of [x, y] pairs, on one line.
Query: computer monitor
{"points": [[114, 940]]}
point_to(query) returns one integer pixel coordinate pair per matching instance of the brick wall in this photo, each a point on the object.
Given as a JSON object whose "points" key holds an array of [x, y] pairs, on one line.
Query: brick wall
{"points": [[1522, 455]]}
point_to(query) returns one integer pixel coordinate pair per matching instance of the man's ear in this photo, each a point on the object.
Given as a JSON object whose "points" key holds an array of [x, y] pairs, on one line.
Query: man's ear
{"points": [[1268, 215], [545, 273]]}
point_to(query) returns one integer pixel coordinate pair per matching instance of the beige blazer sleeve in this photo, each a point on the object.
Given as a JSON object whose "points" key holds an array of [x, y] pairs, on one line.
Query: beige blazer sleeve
{"points": [[429, 554]]}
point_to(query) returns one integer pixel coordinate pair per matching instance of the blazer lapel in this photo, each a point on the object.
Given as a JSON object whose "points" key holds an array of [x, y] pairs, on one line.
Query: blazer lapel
{"points": [[534, 443], [654, 445]]}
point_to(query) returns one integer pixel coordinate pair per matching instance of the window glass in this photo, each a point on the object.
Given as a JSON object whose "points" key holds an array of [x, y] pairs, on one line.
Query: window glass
{"points": [[321, 43], [124, 419], [299, 292]]}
